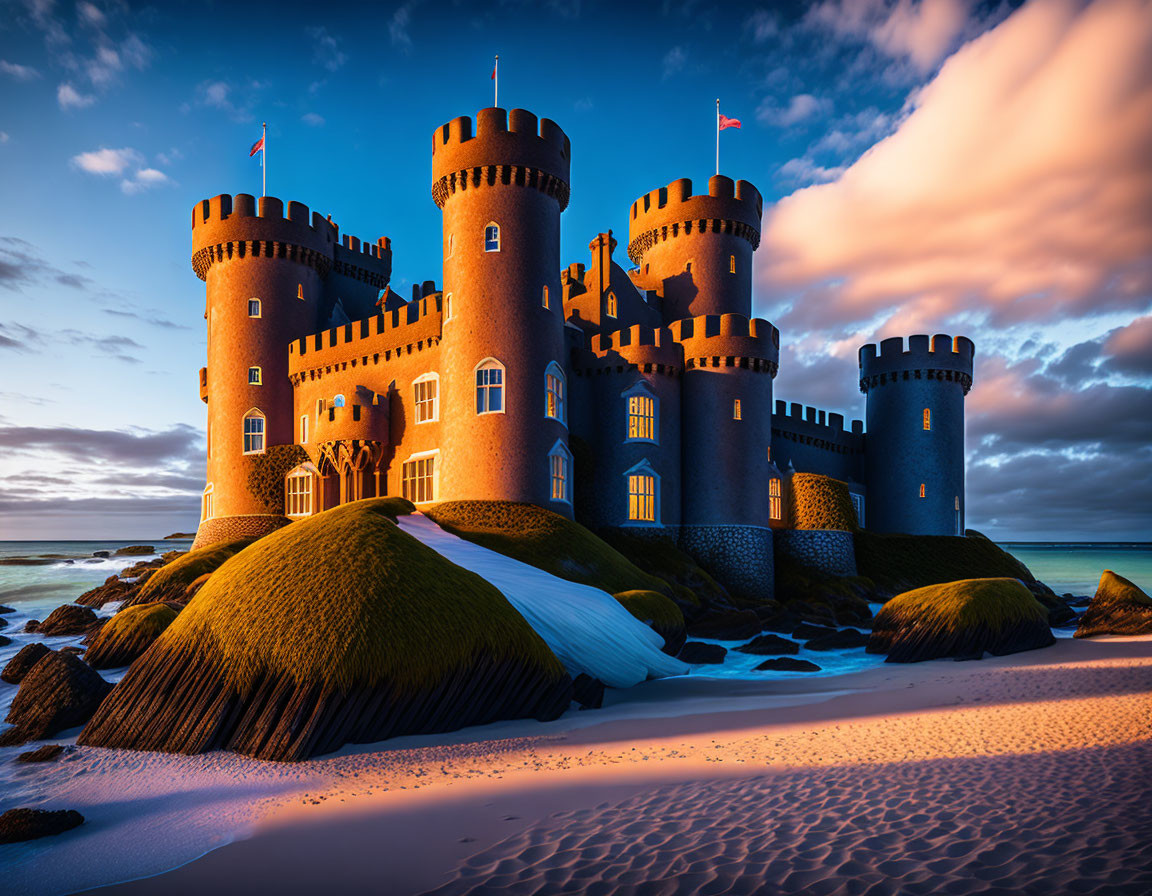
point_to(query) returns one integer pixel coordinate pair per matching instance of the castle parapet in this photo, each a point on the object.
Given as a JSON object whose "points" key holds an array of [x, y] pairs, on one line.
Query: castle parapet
{"points": [[823, 429], [366, 419], [646, 348], [939, 357], [727, 207], [728, 340], [507, 148]]}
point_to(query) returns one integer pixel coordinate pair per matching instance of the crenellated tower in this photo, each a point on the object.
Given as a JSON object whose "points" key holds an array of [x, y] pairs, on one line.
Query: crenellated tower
{"points": [[697, 249], [915, 442], [501, 190]]}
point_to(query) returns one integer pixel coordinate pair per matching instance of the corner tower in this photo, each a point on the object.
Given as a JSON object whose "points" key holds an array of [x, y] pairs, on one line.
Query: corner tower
{"points": [[501, 190], [698, 247], [914, 447]]}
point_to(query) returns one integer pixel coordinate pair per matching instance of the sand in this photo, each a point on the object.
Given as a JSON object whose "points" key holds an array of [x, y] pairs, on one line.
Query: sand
{"points": [[1023, 774]]}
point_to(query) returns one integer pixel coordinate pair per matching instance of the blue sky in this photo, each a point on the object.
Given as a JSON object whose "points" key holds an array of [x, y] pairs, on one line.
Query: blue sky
{"points": [[907, 149]]}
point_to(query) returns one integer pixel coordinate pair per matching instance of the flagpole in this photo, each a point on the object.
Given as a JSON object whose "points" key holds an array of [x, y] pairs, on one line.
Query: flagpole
{"points": [[496, 82], [717, 135], [264, 159]]}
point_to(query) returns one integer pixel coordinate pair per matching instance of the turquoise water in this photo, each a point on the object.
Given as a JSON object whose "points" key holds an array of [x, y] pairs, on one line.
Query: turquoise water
{"points": [[1076, 567]]}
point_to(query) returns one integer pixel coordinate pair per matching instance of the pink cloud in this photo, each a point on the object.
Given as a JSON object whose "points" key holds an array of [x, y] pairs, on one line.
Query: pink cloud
{"points": [[920, 30]]}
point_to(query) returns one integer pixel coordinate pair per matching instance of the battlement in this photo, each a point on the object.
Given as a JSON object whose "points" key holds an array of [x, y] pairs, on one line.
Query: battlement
{"points": [[365, 417], [671, 211], [715, 340], [411, 327], [513, 139], [647, 348], [796, 417], [937, 357]]}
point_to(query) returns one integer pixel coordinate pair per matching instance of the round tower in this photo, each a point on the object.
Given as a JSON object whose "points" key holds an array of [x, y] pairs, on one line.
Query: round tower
{"points": [[501, 191], [914, 445], [699, 246]]}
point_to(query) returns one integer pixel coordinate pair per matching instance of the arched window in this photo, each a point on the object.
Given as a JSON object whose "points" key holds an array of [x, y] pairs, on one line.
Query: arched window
{"points": [[427, 397], [775, 505], [303, 429], [643, 494], [254, 432], [447, 306], [560, 472], [736, 410], [922, 490], [641, 408], [491, 237], [554, 387], [544, 298], [338, 401], [610, 304], [298, 488], [254, 376], [206, 509], [731, 264], [253, 307], [927, 419], [489, 387]]}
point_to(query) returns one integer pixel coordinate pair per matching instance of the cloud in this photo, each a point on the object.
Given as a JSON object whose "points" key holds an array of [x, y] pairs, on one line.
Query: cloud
{"points": [[227, 98], [21, 264], [398, 25], [806, 171], [4, 138], [1018, 187], [17, 71], [762, 25], [70, 98], [1129, 349], [118, 347], [19, 338], [800, 108], [673, 62], [107, 162], [144, 179], [922, 31], [327, 49], [152, 319], [313, 119], [181, 444], [90, 14]]}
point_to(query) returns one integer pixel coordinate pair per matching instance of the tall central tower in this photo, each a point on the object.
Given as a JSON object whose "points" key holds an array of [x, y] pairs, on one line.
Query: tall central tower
{"points": [[502, 190]]}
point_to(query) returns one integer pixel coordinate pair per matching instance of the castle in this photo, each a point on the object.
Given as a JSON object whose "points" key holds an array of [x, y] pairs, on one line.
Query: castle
{"points": [[624, 398]]}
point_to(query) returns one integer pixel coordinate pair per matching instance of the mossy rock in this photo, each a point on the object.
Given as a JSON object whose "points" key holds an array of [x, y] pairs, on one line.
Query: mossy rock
{"points": [[659, 613], [1119, 607], [961, 620], [61, 691], [660, 556], [128, 634], [546, 540], [171, 581], [820, 502], [340, 628], [897, 563], [846, 597]]}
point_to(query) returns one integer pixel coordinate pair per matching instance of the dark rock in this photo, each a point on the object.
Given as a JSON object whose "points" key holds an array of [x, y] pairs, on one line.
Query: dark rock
{"points": [[1074, 601], [4, 641], [783, 622], [72, 649], [845, 638], [4, 610], [46, 753], [18, 825], [3, 622], [698, 653], [816, 614], [1119, 607], [20, 664], [112, 589], [787, 664], [68, 619], [1062, 615], [101, 553], [61, 691], [588, 691], [806, 631], [737, 625], [32, 625], [769, 645], [135, 550]]}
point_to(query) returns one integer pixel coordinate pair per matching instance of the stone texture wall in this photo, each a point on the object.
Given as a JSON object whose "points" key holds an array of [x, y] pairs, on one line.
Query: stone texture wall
{"points": [[829, 550], [226, 528], [739, 557]]}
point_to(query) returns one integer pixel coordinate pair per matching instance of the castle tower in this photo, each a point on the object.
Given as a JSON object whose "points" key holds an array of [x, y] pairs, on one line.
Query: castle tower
{"points": [[265, 276], [699, 247], [501, 190], [915, 436]]}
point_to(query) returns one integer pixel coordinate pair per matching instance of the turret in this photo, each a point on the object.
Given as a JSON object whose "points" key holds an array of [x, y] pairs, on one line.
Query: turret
{"points": [[700, 247], [915, 443], [502, 188]]}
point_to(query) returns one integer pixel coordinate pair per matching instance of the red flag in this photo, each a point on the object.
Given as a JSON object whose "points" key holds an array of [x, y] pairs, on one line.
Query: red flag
{"points": [[493, 78], [726, 122], [256, 147]]}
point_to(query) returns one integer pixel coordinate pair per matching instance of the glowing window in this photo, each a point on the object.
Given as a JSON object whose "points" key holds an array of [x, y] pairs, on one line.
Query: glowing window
{"points": [[298, 493], [492, 238], [642, 497], [448, 306], [922, 490], [254, 432], [610, 304], [490, 387], [736, 410], [775, 507], [300, 290], [927, 418], [304, 429], [419, 479], [544, 298], [253, 307], [642, 417], [559, 465], [253, 376], [731, 264], [554, 394], [206, 509], [427, 389]]}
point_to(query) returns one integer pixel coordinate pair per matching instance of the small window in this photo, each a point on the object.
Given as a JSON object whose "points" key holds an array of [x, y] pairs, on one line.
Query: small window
{"points": [[688, 267], [645, 267], [642, 497], [559, 472], [858, 504], [319, 409], [253, 376], [554, 393], [338, 401], [427, 397], [298, 493], [447, 306], [922, 490], [419, 479], [254, 432], [492, 238], [769, 452], [304, 429], [731, 264], [206, 508], [610, 304], [300, 291], [209, 436], [642, 417], [490, 387], [544, 298], [736, 410], [448, 254], [927, 419], [253, 307], [775, 508], [957, 500]]}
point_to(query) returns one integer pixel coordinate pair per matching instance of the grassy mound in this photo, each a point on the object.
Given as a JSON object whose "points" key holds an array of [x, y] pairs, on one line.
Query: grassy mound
{"points": [[127, 635], [962, 620], [171, 581], [820, 502], [339, 628], [659, 613], [901, 562], [545, 540], [659, 556], [1119, 607]]}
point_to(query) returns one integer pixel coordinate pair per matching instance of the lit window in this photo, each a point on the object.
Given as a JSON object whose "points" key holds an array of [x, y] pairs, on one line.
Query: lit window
{"points": [[775, 508], [642, 417], [419, 479], [490, 387], [427, 388], [300, 290], [492, 238], [731, 264], [927, 419], [610, 305], [957, 499], [253, 376], [545, 298], [298, 493], [559, 465], [304, 429], [253, 307], [206, 509], [921, 489], [769, 452], [554, 393], [338, 401], [254, 432], [736, 410], [448, 254], [447, 306], [642, 497]]}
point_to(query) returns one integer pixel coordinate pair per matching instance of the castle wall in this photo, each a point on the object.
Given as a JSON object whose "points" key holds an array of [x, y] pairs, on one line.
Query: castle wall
{"points": [[815, 441]]}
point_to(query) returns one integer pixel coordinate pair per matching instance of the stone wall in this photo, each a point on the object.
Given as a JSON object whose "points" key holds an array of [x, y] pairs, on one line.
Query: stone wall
{"points": [[738, 557], [227, 528], [828, 550]]}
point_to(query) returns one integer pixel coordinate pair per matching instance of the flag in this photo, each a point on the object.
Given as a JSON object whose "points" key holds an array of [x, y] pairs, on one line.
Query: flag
{"points": [[493, 78], [726, 122], [256, 147]]}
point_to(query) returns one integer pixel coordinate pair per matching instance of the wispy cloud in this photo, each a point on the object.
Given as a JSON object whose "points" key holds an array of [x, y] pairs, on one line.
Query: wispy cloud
{"points": [[70, 98], [144, 179], [21, 264], [17, 337], [673, 62], [327, 50], [18, 71], [800, 108], [312, 119], [399, 25], [151, 318], [107, 162]]}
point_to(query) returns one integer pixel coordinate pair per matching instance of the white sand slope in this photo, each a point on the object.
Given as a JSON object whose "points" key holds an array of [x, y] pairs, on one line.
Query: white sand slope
{"points": [[585, 627]]}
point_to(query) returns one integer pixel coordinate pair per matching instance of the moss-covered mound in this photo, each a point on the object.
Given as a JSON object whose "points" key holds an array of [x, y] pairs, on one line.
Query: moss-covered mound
{"points": [[962, 620], [659, 613], [820, 502], [127, 635], [338, 628], [545, 540], [170, 582], [901, 562], [61, 691], [1119, 607], [659, 556]]}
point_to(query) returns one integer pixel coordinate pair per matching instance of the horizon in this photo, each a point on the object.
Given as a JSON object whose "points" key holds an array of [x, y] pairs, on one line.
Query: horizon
{"points": [[897, 148]]}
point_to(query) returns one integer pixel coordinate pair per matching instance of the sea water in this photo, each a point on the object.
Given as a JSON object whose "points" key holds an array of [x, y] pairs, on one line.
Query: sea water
{"points": [[1075, 567]]}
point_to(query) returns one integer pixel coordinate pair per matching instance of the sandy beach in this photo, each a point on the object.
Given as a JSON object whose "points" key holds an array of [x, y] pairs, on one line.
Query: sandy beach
{"points": [[1023, 774]]}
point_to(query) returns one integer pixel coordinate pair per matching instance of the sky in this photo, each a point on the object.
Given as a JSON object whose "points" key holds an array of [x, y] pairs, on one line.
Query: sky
{"points": [[934, 166]]}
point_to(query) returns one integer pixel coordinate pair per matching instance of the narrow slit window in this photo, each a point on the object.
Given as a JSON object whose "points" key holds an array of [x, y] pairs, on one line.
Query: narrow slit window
{"points": [[544, 298], [688, 267], [448, 254], [731, 264], [300, 291], [447, 306], [775, 507], [254, 376], [922, 490], [610, 305], [736, 410], [206, 508], [492, 238], [253, 307], [304, 429], [927, 419]]}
